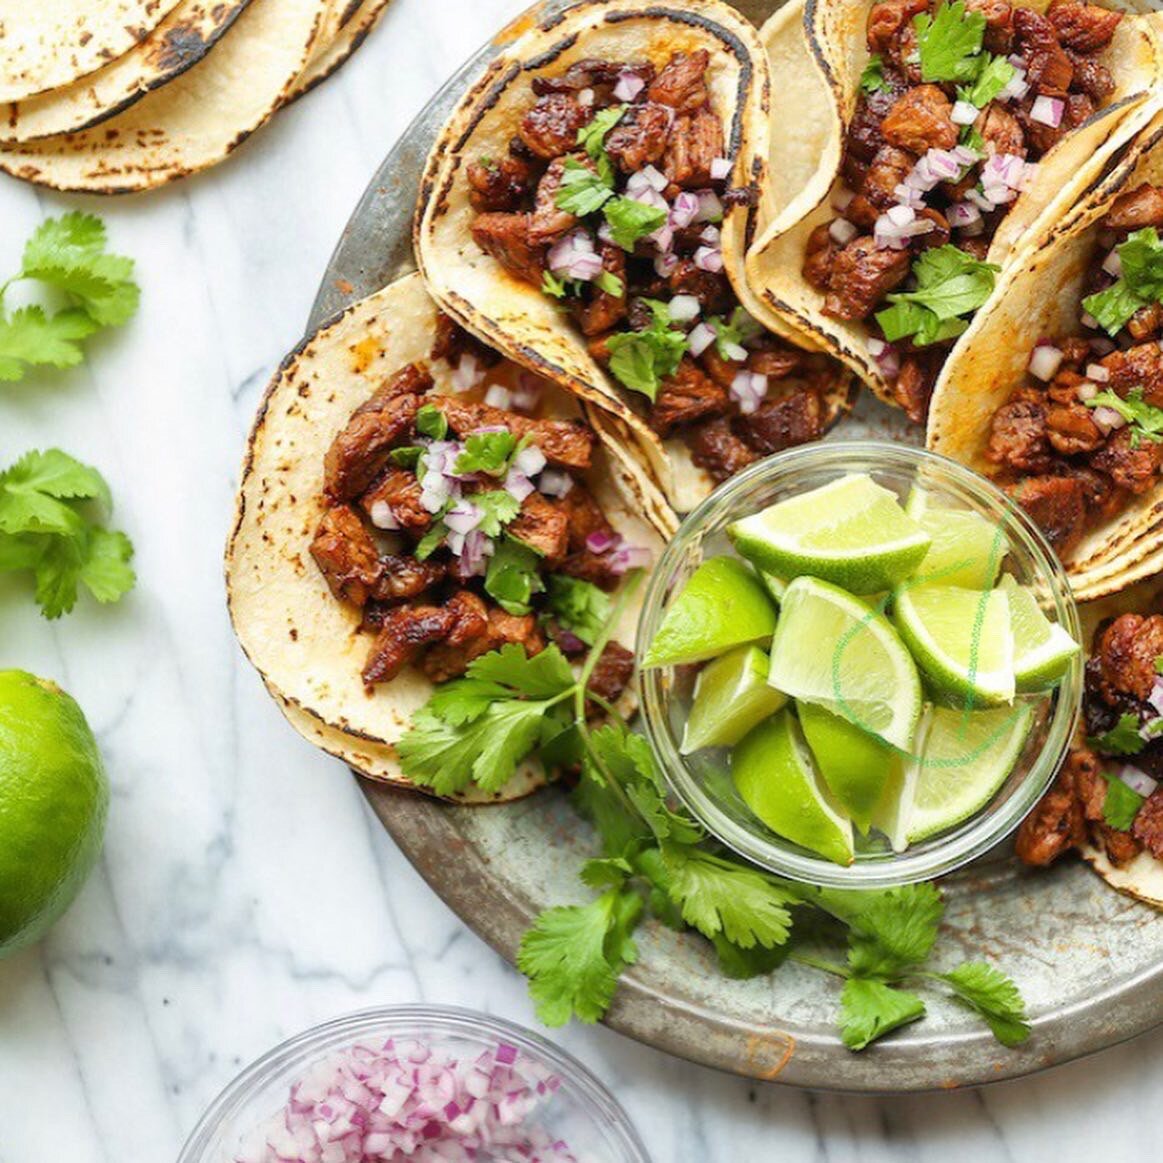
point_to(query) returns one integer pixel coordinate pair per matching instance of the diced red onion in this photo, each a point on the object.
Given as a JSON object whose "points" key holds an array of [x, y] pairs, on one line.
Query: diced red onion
{"points": [[468, 372], [475, 553], [499, 397], [585, 97], [979, 200], [605, 233], [463, 517], [707, 258], [720, 169], [735, 352], [1086, 391], [1138, 780], [649, 196], [908, 196], [842, 231], [647, 178], [1048, 111], [901, 215], [897, 225], [1017, 86], [601, 541], [944, 164], [842, 200], [663, 239], [1088, 320], [964, 113], [965, 155], [1098, 373], [555, 483], [629, 86], [527, 393], [517, 484], [685, 207], [1113, 264], [383, 517], [1045, 361], [711, 235], [921, 176], [575, 258], [710, 207], [530, 460], [962, 214], [1003, 170], [1107, 420], [665, 265], [700, 338], [748, 390], [684, 308], [1155, 698], [887, 357], [876, 347]]}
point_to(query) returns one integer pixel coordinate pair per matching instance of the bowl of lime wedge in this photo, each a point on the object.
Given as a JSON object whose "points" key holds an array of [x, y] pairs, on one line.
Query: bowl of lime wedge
{"points": [[860, 664]]}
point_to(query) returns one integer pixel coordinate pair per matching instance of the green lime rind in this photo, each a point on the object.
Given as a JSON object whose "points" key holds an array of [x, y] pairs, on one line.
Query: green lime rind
{"points": [[773, 773], [731, 696], [851, 532], [722, 605], [967, 550], [963, 760], [833, 650], [1043, 650], [960, 639], [855, 765], [54, 797]]}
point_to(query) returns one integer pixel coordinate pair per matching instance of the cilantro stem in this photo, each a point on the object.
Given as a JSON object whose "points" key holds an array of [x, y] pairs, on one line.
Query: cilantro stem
{"points": [[819, 963]]}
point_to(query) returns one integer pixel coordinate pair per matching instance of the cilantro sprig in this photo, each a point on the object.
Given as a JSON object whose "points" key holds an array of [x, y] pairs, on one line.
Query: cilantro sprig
{"points": [[872, 76], [1139, 284], [50, 526], [92, 289], [1120, 805], [1122, 739], [1144, 420], [950, 285], [656, 861], [641, 360], [949, 43]]}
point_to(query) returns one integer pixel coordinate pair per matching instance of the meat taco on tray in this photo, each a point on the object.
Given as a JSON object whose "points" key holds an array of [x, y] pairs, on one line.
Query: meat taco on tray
{"points": [[586, 210], [957, 131], [1107, 801], [1057, 390], [409, 503]]}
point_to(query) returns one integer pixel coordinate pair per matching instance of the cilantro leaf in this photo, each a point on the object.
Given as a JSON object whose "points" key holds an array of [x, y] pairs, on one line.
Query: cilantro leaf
{"points": [[630, 221], [498, 508], [993, 76], [407, 456], [611, 284], [1121, 805], [950, 284], [615, 824], [592, 138], [541, 677], [720, 896], [872, 77], [949, 42], [582, 191], [1122, 739], [892, 929], [1113, 307], [1145, 420], [640, 360], [994, 996], [431, 541], [580, 606], [606, 872], [741, 964], [30, 337], [105, 570], [554, 287], [514, 576], [487, 452], [871, 1009], [573, 955], [431, 422], [1139, 283]]}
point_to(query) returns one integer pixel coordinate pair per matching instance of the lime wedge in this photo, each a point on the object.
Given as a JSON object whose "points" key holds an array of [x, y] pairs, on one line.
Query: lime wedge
{"points": [[773, 772], [854, 764], [731, 697], [776, 586], [967, 549], [833, 650], [964, 759], [1042, 649], [722, 606], [852, 532], [891, 814], [961, 639]]}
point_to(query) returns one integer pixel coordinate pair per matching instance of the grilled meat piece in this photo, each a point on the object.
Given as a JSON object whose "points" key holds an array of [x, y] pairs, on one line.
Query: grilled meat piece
{"points": [[507, 238], [696, 140], [886, 19], [1130, 465], [1057, 505], [543, 526], [1085, 28], [359, 453], [913, 386], [603, 311], [1123, 658], [1000, 130], [1018, 438], [1140, 366], [999, 24], [1148, 826], [713, 290], [406, 630], [346, 555], [548, 221], [583, 516], [920, 120], [1091, 77], [550, 128], [1048, 68], [591, 73], [612, 672], [406, 577], [468, 637], [452, 341], [398, 491], [776, 424], [716, 447], [820, 256], [682, 84], [1057, 824], [499, 184], [860, 277], [686, 396], [640, 138], [1070, 428], [1142, 206], [566, 444]]}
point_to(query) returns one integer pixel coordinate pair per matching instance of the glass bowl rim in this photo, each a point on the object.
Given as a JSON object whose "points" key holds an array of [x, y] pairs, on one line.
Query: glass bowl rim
{"points": [[308, 1045], [984, 829]]}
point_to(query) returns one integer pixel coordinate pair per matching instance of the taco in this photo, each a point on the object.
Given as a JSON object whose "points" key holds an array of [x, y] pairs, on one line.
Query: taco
{"points": [[586, 210], [1057, 390], [409, 502], [957, 132], [1107, 801]]}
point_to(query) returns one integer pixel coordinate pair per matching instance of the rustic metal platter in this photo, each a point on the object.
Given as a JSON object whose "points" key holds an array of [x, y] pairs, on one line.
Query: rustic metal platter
{"points": [[1089, 962]]}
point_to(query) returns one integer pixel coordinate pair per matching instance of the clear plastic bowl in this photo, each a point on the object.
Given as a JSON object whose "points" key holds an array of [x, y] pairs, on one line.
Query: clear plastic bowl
{"points": [[702, 780], [582, 1112]]}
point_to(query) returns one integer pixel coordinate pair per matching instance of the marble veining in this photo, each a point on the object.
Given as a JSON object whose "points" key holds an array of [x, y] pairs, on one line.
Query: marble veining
{"points": [[246, 891]]}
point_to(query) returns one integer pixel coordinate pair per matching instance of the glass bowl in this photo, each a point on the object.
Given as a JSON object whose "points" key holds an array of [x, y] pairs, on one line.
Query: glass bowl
{"points": [[702, 780], [580, 1111]]}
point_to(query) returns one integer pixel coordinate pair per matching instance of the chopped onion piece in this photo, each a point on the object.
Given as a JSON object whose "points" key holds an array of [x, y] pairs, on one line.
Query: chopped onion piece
{"points": [[1086, 391], [647, 178], [685, 207], [527, 393], [585, 97], [1045, 361], [700, 338], [842, 200], [468, 373], [554, 483], [710, 207], [530, 460], [383, 517], [1138, 780], [575, 258], [1107, 420], [709, 259], [1098, 373], [842, 231], [665, 265], [1113, 264], [964, 113], [720, 169], [630, 557], [908, 196], [629, 86], [602, 541], [1088, 320], [748, 390], [463, 517], [1155, 698], [901, 215], [1048, 111], [965, 155], [962, 214], [499, 397], [684, 308], [518, 485], [711, 235]]}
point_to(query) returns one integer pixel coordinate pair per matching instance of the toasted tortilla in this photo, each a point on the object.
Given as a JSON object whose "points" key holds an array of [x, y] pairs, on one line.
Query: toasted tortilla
{"points": [[181, 40], [307, 645], [517, 318], [836, 31], [1040, 296], [354, 20], [45, 44], [194, 121]]}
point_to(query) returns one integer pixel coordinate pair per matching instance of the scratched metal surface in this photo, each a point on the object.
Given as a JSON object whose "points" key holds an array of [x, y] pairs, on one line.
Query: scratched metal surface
{"points": [[1089, 962]]}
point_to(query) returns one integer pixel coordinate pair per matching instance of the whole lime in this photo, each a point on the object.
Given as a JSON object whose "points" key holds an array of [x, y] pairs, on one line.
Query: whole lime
{"points": [[53, 801]]}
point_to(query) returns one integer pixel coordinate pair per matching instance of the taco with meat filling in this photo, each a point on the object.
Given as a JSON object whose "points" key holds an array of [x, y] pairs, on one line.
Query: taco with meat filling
{"points": [[1057, 390], [586, 210], [958, 130], [1107, 801], [410, 502]]}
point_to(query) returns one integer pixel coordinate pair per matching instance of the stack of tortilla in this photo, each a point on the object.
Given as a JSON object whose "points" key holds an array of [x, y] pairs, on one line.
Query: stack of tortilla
{"points": [[128, 95]]}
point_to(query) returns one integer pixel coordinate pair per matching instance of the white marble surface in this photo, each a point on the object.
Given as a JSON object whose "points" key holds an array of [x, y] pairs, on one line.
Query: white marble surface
{"points": [[246, 892]]}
